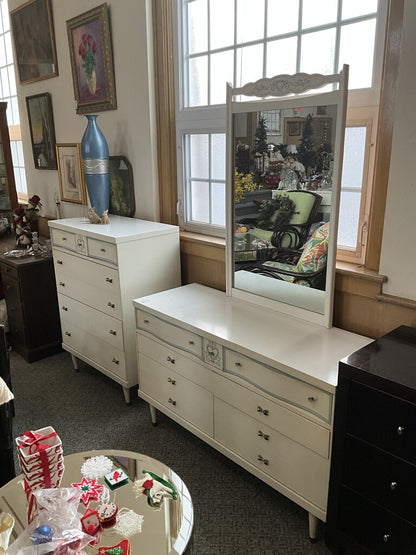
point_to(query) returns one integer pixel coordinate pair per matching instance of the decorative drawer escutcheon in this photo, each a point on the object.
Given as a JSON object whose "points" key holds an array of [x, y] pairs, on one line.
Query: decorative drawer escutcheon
{"points": [[213, 353]]}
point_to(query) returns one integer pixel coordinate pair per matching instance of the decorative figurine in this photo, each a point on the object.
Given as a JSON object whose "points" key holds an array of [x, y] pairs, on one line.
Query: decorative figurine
{"points": [[91, 525], [155, 488], [31, 213]]}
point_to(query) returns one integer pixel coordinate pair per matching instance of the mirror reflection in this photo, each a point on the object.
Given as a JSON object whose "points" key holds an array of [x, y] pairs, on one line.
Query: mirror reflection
{"points": [[283, 166]]}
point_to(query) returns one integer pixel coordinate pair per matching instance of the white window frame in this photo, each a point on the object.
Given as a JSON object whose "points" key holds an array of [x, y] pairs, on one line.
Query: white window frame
{"points": [[362, 106]]}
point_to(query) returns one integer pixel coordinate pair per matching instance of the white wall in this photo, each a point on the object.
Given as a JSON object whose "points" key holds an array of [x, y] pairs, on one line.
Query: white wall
{"points": [[129, 130], [398, 256]]}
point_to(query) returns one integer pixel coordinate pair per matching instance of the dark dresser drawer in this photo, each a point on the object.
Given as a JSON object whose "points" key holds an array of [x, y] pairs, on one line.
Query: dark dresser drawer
{"points": [[374, 527], [383, 420], [383, 478]]}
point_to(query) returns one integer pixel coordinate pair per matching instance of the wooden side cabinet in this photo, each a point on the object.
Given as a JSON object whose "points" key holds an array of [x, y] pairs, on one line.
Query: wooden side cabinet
{"points": [[373, 471], [32, 305]]}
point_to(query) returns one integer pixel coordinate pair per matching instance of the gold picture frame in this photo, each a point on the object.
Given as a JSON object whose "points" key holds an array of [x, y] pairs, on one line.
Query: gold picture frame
{"points": [[71, 174], [34, 41], [92, 61]]}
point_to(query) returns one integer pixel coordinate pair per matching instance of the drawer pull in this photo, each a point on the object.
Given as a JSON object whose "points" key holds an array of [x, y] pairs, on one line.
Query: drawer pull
{"points": [[59, 262], [65, 308], [190, 342], [264, 436], [264, 411], [238, 364], [400, 430], [111, 305], [386, 538], [263, 460], [146, 322], [112, 332], [172, 381], [393, 486], [102, 249], [170, 359], [115, 361], [109, 280], [63, 238], [311, 399], [172, 402], [68, 333], [62, 284]]}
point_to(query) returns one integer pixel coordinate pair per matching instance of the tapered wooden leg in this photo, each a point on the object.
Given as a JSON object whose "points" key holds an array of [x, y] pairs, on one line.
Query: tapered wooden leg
{"points": [[153, 415], [313, 527], [75, 363], [126, 391]]}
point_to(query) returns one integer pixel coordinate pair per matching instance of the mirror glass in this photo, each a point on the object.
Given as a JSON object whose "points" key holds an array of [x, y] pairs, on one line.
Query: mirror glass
{"points": [[284, 200]]}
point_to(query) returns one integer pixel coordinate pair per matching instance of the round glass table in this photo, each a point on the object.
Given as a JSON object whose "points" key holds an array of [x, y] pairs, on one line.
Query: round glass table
{"points": [[165, 531]]}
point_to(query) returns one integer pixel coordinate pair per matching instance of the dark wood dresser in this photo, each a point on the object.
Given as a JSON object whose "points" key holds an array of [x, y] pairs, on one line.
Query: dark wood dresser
{"points": [[32, 304], [372, 492]]}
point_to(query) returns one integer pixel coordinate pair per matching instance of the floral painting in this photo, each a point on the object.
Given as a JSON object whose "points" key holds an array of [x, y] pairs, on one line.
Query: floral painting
{"points": [[91, 59]]}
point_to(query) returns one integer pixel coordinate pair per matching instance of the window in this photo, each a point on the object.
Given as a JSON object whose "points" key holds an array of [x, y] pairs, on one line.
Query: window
{"points": [[8, 94], [238, 41]]}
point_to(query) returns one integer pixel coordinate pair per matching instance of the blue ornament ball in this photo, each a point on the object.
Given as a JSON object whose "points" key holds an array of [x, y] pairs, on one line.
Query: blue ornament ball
{"points": [[42, 534]]}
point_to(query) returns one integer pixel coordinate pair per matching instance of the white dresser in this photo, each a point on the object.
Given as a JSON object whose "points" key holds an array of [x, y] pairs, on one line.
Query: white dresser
{"points": [[99, 269], [255, 384]]}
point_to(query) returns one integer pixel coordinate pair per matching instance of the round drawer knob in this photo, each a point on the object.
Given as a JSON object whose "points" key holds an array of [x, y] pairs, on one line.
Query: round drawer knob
{"points": [[311, 399], [65, 308], [400, 430], [386, 538], [191, 342], [59, 261], [62, 284], [393, 486]]}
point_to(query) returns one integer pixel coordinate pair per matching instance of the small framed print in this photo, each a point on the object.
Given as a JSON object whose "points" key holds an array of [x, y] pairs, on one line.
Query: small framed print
{"points": [[42, 130], [71, 175]]}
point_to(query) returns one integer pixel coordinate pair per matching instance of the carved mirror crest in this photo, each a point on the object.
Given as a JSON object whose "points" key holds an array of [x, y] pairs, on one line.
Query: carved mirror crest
{"points": [[284, 160]]}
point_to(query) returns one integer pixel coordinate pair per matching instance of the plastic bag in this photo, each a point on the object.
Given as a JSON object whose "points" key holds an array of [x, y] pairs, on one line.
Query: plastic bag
{"points": [[56, 529]]}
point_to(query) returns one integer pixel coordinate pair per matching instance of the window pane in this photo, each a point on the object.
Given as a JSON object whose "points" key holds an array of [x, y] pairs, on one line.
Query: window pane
{"points": [[4, 76], [198, 81], [281, 57], [250, 20], [221, 23], [354, 154], [218, 203], [197, 26], [199, 201], [358, 53], [249, 64], [282, 16], [5, 14], [199, 156], [218, 156], [13, 109], [319, 12], [348, 219], [9, 50], [2, 51], [317, 54], [354, 8], [221, 73]]}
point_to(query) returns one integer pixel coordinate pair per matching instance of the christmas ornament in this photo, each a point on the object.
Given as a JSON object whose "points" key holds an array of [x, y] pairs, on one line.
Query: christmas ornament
{"points": [[155, 488], [42, 534], [91, 490], [96, 467], [108, 514], [128, 523], [116, 478], [90, 524], [121, 548]]}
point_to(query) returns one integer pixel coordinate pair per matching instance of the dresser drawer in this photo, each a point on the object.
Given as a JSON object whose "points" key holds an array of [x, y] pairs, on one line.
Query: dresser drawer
{"points": [[288, 462], [383, 420], [378, 529], [63, 239], [280, 385], [100, 352], [9, 271], [88, 282], [102, 250], [383, 478], [181, 396], [102, 326], [174, 335], [173, 359]]}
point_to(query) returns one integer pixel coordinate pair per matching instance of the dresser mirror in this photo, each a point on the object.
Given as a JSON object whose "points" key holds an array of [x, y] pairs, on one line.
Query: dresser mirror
{"points": [[284, 156]]}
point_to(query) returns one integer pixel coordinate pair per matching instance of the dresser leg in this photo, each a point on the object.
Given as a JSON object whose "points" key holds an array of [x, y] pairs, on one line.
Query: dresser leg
{"points": [[126, 391], [75, 363], [153, 414], [313, 527]]}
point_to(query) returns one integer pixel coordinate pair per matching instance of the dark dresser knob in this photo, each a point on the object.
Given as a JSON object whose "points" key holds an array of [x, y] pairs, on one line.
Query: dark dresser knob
{"points": [[393, 486]]}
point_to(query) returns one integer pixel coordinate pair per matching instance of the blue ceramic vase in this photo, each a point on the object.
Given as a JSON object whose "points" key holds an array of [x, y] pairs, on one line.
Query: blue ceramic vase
{"points": [[94, 153]]}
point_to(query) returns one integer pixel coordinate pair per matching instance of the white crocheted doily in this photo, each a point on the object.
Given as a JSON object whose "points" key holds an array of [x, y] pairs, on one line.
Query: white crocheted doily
{"points": [[96, 467], [128, 523]]}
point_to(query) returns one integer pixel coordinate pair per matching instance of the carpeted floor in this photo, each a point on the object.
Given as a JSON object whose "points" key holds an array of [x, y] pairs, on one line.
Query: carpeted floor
{"points": [[235, 513]]}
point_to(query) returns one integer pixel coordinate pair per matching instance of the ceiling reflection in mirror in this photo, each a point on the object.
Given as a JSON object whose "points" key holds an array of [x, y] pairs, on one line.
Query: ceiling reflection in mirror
{"points": [[282, 189]]}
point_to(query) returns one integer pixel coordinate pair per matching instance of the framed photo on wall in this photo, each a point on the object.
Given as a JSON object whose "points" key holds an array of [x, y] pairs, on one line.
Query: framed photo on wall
{"points": [[42, 130], [122, 200], [71, 175], [34, 41], [92, 61]]}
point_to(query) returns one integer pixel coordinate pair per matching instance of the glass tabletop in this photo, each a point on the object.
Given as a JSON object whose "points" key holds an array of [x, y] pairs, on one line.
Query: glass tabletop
{"points": [[164, 531]]}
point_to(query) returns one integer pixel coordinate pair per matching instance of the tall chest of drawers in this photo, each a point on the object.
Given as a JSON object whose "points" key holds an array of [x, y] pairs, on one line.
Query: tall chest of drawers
{"points": [[373, 473], [256, 385], [99, 269]]}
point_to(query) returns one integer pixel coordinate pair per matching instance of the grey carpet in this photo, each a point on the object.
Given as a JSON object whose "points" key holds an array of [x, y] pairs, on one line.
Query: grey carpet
{"points": [[234, 512]]}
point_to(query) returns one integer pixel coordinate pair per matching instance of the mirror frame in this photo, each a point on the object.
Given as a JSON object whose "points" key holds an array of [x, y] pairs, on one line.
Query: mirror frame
{"points": [[269, 93]]}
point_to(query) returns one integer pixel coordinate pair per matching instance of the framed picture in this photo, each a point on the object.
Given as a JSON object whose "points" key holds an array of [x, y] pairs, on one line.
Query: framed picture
{"points": [[42, 130], [34, 41], [71, 175], [121, 187], [294, 128], [92, 61]]}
